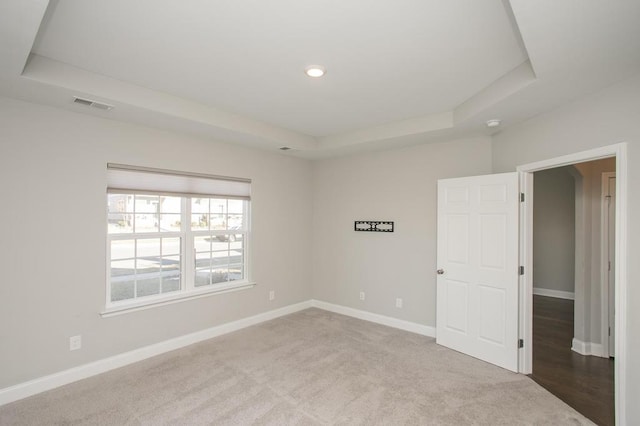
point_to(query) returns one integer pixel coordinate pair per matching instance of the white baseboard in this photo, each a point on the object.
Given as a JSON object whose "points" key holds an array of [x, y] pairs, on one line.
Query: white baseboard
{"points": [[554, 293], [51, 381], [587, 348], [41, 384], [413, 327]]}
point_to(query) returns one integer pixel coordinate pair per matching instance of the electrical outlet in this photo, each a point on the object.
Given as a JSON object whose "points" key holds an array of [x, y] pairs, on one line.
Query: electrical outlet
{"points": [[362, 295], [272, 295], [75, 343], [398, 303]]}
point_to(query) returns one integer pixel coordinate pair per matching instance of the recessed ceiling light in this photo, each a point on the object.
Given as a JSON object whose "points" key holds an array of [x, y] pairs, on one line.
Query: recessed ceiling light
{"points": [[493, 123], [315, 70]]}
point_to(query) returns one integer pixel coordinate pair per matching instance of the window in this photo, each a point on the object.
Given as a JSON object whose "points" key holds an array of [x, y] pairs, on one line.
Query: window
{"points": [[175, 243]]}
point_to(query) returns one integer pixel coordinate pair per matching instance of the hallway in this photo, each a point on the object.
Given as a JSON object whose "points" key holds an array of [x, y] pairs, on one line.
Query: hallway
{"points": [[584, 382]]}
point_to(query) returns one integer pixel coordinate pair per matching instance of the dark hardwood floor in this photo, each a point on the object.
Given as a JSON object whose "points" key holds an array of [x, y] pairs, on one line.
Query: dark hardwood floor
{"points": [[583, 382]]}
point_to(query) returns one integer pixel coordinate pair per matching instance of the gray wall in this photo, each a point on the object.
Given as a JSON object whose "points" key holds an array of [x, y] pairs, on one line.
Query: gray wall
{"points": [[589, 291], [554, 230], [53, 222], [397, 185], [603, 118]]}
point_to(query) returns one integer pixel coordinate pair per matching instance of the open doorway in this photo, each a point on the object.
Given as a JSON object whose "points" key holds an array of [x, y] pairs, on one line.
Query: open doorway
{"points": [[572, 252], [619, 266]]}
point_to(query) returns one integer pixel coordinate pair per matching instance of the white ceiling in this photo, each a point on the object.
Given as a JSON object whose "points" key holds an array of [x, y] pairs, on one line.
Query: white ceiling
{"points": [[386, 60], [399, 72]]}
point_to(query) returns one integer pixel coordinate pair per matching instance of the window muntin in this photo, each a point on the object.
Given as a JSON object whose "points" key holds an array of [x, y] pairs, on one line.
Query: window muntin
{"points": [[161, 246]]}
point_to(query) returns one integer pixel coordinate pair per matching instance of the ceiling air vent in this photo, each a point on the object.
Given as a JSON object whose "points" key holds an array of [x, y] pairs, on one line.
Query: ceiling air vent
{"points": [[90, 103]]}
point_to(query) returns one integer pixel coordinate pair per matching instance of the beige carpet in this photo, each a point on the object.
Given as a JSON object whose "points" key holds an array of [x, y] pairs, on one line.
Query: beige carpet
{"points": [[312, 367]]}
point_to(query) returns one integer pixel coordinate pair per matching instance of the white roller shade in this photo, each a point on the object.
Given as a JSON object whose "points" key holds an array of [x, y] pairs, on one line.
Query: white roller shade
{"points": [[123, 178]]}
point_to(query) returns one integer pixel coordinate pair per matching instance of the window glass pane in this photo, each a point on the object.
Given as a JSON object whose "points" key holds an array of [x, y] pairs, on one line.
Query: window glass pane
{"points": [[235, 240], [218, 222], [147, 204], [199, 213], [122, 268], [147, 287], [170, 273], [235, 222], [170, 285], [149, 248], [146, 213], [236, 207], [219, 242], [170, 205], [203, 260], [219, 275], [200, 222], [146, 222], [122, 290], [218, 206], [202, 244], [170, 246], [148, 267], [218, 215], [199, 205], [236, 260], [236, 215], [169, 223], [123, 249], [119, 203], [220, 258], [120, 213], [236, 272], [236, 256], [203, 277], [119, 223]]}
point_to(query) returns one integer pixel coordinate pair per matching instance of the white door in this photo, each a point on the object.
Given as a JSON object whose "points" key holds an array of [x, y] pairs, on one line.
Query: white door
{"points": [[611, 276], [477, 284]]}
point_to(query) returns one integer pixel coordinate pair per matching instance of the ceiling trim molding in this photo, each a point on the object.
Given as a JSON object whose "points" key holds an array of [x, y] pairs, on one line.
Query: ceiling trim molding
{"points": [[396, 129], [116, 92], [507, 85]]}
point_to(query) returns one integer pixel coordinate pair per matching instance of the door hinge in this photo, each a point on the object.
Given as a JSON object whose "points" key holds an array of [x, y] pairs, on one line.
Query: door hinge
{"points": [[521, 270], [522, 197], [609, 331], [520, 343]]}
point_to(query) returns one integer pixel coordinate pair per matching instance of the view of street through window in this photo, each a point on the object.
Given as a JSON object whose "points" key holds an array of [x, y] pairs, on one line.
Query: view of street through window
{"points": [[148, 240]]}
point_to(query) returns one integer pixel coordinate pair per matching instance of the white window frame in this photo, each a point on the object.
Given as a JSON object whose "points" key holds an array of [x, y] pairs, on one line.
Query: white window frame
{"points": [[187, 235]]}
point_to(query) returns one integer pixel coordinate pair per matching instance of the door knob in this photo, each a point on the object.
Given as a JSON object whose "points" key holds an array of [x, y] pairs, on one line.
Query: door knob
{"points": [[440, 271]]}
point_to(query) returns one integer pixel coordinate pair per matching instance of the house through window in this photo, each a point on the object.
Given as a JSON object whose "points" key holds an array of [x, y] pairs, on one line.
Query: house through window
{"points": [[173, 235]]}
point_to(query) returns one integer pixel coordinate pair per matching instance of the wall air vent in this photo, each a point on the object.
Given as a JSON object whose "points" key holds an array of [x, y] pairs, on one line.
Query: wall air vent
{"points": [[90, 103]]}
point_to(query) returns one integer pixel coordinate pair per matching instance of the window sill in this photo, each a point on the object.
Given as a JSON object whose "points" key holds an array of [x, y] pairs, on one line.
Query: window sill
{"points": [[114, 310]]}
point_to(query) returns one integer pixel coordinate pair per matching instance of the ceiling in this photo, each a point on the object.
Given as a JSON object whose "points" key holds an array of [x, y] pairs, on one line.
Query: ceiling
{"points": [[398, 72]]}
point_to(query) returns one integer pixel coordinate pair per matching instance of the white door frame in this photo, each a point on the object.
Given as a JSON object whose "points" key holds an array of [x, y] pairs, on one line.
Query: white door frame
{"points": [[604, 259], [619, 151]]}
